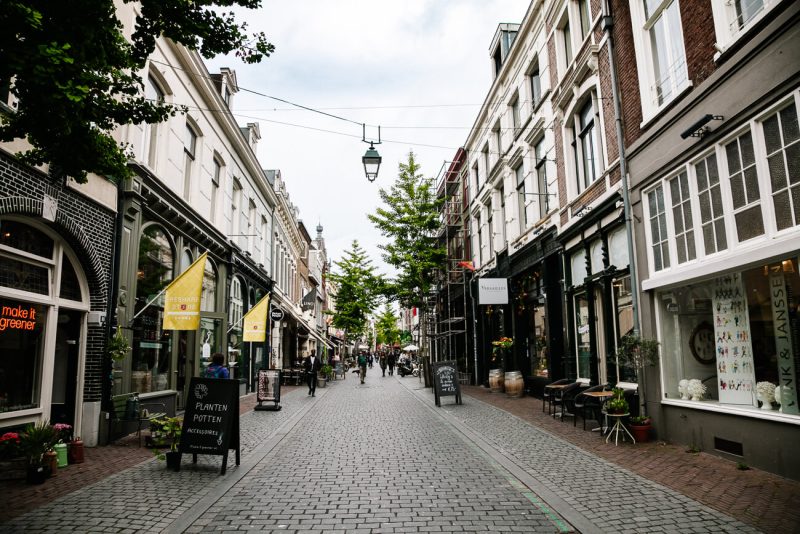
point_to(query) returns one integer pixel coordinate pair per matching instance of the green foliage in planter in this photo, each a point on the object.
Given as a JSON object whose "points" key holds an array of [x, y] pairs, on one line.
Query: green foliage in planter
{"points": [[617, 403], [326, 371], [118, 346], [36, 440], [640, 420], [169, 431]]}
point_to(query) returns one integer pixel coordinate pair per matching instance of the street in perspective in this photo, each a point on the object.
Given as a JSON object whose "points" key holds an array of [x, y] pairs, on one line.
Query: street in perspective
{"points": [[382, 458]]}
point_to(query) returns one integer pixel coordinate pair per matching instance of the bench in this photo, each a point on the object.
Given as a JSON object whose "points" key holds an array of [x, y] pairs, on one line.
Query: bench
{"points": [[140, 413]]}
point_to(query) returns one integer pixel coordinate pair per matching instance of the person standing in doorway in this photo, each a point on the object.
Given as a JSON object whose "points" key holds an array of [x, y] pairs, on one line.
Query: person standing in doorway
{"points": [[217, 368], [391, 363], [312, 365], [362, 366]]}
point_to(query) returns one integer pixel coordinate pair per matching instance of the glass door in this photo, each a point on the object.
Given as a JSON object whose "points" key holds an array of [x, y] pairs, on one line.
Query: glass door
{"points": [[583, 345], [65, 367]]}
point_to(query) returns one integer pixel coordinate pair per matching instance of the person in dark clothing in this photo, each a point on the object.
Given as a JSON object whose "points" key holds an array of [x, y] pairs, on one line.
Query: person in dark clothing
{"points": [[217, 368], [362, 366], [312, 365], [383, 363], [391, 362]]}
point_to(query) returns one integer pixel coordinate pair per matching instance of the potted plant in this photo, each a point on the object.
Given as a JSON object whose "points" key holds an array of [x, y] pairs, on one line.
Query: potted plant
{"points": [[617, 404], [635, 352], [499, 351], [326, 371], [118, 346], [63, 436], [35, 441], [12, 460], [170, 434], [640, 428]]}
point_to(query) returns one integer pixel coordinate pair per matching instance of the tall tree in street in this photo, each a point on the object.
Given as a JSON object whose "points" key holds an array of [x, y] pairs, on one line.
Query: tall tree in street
{"points": [[357, 291], [386, 331], [77, 77], [410, 220]]}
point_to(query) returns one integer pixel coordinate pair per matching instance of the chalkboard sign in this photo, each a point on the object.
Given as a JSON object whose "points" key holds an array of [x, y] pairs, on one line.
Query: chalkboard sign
{"points": [[211, 420], [269, 389], [445, 381]]}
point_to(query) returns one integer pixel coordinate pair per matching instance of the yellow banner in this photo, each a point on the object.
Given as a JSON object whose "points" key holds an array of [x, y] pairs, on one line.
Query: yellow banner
{"points": [[182, 300], [255, 321]]}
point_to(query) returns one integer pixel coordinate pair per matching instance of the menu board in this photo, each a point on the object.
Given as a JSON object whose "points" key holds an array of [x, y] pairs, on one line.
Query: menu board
{"points": [[735, 366], [268, 389], [445, 381], [211, 420]]}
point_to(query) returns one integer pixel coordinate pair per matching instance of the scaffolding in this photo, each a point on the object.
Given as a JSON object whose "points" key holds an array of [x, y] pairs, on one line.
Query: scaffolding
{"points": [[448, 312]]}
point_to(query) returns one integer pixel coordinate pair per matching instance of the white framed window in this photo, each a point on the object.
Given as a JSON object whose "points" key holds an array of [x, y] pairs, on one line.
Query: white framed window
{"points": [[743, 181], [478, 245], [476, 178], [535, 84], [542, 188], [190, 153], [733, 18], [515, 117], [216, 177], [782, 146], [154, 93], [585, 14], [497, 133], [585, 145], [251, 226], [486, 167], [659, 236], [502, 222], [709, 194], [490, 228], [660, 53], [564, 44], [682, 220], [522, 201], [236, 309], [236, 204]]}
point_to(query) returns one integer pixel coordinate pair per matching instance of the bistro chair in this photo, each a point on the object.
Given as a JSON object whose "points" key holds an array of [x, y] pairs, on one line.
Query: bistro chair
{"points": [[588, 407], [557, 400], [547, 394], [567, 398]]}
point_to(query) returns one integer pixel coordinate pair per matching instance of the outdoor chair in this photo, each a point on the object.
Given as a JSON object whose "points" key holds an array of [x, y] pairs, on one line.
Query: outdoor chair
{"points": [[567, 399], [547, 394], [588, 407], [557, 402]]}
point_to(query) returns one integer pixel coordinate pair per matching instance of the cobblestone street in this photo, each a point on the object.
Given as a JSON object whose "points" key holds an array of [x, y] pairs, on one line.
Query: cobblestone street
{"points": [[380, 457]]}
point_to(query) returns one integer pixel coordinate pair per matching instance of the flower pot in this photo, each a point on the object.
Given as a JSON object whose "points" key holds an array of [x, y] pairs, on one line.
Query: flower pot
{"points": [[641, 433], [61, 454], [13, 469], [173, 460], [75, 452], [496, 380], [36, 474], [50, 460], [513, 384]]}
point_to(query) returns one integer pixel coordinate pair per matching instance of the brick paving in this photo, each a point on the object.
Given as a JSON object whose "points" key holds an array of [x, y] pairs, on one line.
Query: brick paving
{"points": [[326, 453]]}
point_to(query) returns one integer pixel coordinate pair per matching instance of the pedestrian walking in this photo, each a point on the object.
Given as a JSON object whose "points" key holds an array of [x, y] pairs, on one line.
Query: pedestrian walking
{"points": [[383, 363], [390, 362], [312, 365], [217, 368], [362, 366]]}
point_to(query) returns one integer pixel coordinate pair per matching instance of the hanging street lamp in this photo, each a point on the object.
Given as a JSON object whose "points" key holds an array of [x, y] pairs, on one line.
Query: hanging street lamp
{"points": [[371, 159]]}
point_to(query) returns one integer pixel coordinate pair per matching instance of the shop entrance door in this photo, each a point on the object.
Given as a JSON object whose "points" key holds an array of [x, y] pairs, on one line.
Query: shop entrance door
{"points": [[65, 367]]}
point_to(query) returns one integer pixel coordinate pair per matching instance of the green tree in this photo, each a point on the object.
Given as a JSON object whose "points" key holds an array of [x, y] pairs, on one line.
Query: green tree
{"points": [[386, 331], [356, 293], [78, 78], [410, 220]]}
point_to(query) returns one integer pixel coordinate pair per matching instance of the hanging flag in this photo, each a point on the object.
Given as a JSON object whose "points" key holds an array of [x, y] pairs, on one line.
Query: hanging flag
{"points": [[182, 300], [255, 321], [466, 265]]}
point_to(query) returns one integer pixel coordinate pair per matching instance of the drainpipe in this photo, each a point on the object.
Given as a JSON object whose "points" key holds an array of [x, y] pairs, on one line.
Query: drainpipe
{"points": [[608, 24]]}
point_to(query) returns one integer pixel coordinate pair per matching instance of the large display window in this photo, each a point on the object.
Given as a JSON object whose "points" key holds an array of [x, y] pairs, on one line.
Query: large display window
{"points": [[738, 334]]}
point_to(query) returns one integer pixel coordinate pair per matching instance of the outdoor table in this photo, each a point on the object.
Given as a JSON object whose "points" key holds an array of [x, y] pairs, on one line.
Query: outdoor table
{"points": [[599, 395]]}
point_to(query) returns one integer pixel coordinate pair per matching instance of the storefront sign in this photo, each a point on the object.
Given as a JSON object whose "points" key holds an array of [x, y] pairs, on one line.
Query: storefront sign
{"points": [[492, 291], [783, 342], [182, 300], [211, 420], [445, 381], [269, 389], [735, 367], [276, 314], [255, 322], [20, 317]]}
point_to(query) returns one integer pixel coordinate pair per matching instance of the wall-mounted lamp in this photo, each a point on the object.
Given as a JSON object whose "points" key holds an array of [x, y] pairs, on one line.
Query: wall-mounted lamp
{"points": [[371, 159], [698, 128]]}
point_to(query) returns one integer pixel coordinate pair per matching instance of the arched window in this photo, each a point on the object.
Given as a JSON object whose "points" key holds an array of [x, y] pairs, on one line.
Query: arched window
{"points": [[236, 309]]}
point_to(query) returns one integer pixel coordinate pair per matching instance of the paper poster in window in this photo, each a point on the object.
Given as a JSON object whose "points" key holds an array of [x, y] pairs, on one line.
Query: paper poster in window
{"points": [[735, 368]]}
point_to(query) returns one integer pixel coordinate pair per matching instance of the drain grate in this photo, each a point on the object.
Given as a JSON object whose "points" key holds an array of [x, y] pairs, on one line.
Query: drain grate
{"points": [[726, 445]]}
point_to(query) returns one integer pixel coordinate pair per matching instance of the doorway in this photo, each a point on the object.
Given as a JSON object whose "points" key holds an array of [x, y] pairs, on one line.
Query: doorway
{"points": [[65, 367]]}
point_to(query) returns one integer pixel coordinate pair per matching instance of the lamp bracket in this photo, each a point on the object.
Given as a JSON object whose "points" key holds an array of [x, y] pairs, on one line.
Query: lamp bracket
{"points": [[364, 135]]}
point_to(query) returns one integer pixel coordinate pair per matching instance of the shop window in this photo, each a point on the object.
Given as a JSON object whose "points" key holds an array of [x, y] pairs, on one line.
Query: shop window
{"points": [[618, 249], [734, 332], [22, 327], [623, 324], [744, 187], [582, 336], [711, 212], [151, 359], [24, 276], [596, 256], [782, 141], [23, 238], [578, 268], [70, 287], [208, 297]]}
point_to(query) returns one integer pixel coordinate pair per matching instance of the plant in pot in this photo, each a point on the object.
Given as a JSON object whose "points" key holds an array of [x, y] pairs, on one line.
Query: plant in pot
{"points": [[35, 441], [12, 459], [636, 353], [617, 405], [640, 427], [118, 346], [326, 371], [169, 431]]}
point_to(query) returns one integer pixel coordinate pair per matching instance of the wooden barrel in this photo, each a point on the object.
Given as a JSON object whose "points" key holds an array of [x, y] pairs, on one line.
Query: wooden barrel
{"points": [[514, 384], [496, 380]]}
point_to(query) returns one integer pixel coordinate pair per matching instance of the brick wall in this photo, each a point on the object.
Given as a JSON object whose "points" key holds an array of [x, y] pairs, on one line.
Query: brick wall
{"points": [[89, 230], [699, 37], [627, 72]]}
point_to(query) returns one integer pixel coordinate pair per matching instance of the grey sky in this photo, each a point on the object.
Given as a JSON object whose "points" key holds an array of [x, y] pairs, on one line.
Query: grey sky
{"points": [[418, 68]]}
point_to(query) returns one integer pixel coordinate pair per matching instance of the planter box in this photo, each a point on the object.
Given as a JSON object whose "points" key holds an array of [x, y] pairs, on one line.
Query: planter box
{"points": [[13, 469]]}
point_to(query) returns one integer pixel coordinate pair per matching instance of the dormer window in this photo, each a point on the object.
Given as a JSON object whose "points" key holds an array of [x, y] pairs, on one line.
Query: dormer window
{"points": [[501, 45]]}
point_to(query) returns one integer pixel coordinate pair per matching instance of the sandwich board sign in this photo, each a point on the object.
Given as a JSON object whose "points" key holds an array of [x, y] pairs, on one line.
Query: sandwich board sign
{"points": [[211, 421], [269, 389], [445, 381]]}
